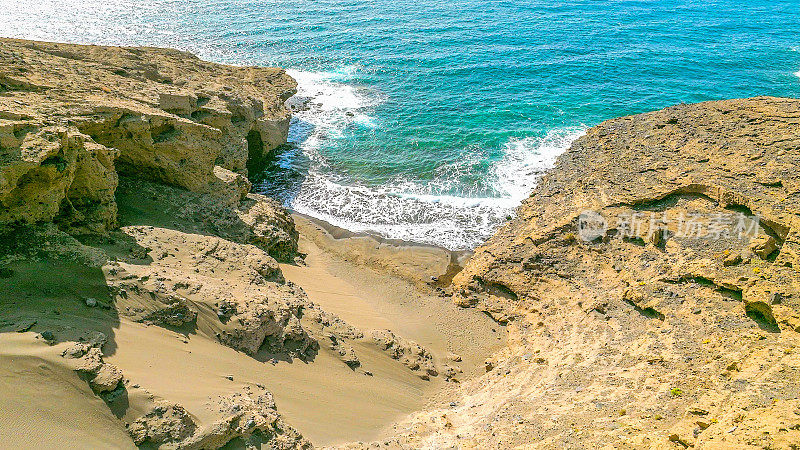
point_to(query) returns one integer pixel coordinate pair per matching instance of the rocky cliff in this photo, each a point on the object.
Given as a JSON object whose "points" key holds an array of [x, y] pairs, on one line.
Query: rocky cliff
{"points": [[651, 288], [73, 118], [160, 142], [126, 210]]}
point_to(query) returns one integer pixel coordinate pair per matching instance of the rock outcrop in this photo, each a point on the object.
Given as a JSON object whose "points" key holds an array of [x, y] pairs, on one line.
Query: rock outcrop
{"points": [[87, 355], [249, 418], [651, 289], [72, 117], [411, 354]]}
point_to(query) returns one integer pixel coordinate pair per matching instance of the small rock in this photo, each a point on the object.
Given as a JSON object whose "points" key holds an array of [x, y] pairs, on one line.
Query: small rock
{"points": [[763, 246], [25, 325], [450, 372], [732, 259], [90, 302], [48, 336], [106, 379], [656, 238], [229, 377], [703, 423], [698, 411], [368, 373], [454, 357]]}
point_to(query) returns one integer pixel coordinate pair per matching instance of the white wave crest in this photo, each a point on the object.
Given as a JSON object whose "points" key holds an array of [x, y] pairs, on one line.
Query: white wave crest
{"points": [[324, 106], [525, 160], [452, 222], [407, 209], [328, 104]]}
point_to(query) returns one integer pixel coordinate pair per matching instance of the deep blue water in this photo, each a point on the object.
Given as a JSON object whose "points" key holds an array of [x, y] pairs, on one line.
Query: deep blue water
{"points": [[429, 120]]}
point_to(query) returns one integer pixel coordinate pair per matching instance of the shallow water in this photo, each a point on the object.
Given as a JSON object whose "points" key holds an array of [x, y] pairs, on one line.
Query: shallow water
{"points": [[429, 120]]}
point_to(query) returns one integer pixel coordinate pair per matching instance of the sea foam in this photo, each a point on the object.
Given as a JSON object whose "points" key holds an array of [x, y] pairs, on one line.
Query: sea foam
{"points": [[418, 211]]}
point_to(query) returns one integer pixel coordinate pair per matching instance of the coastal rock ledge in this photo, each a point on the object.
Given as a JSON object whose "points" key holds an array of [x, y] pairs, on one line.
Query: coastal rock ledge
{"points": [[651, 286], [73, 118]]}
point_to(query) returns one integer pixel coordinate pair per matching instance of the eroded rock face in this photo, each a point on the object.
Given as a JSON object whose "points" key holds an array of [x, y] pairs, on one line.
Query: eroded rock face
{"points": [[649, 335], [409, 353], [249, 417], [272, 226], [72, 117], [87, 358], [232, 292], [56, 174], [228, 212], [166, 425]]}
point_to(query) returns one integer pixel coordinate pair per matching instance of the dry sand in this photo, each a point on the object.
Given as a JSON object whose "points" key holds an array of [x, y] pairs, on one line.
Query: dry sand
{"points": [[363, 280]]}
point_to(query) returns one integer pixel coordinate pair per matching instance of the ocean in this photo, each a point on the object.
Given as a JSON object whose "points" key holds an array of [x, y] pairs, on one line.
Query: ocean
{"points": [[430, 121]]}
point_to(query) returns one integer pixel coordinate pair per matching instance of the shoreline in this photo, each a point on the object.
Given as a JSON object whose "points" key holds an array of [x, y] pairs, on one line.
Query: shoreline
{"points": [[456, 259]]}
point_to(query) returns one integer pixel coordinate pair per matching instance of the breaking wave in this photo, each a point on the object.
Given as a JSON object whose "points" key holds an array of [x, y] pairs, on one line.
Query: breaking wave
{"points": [[412, 210]]}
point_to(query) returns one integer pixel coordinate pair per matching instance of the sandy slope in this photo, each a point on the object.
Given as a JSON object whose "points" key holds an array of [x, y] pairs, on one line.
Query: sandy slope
{"points": [[367, 297], [52, 407], [45, 402]]}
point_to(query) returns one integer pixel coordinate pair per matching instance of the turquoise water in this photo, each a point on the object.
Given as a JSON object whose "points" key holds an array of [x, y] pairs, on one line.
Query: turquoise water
{"points": [[430, 120]]}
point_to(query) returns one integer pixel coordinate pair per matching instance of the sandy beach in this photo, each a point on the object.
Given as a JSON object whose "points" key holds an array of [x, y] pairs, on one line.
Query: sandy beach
{"points": [[328, 402]]}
